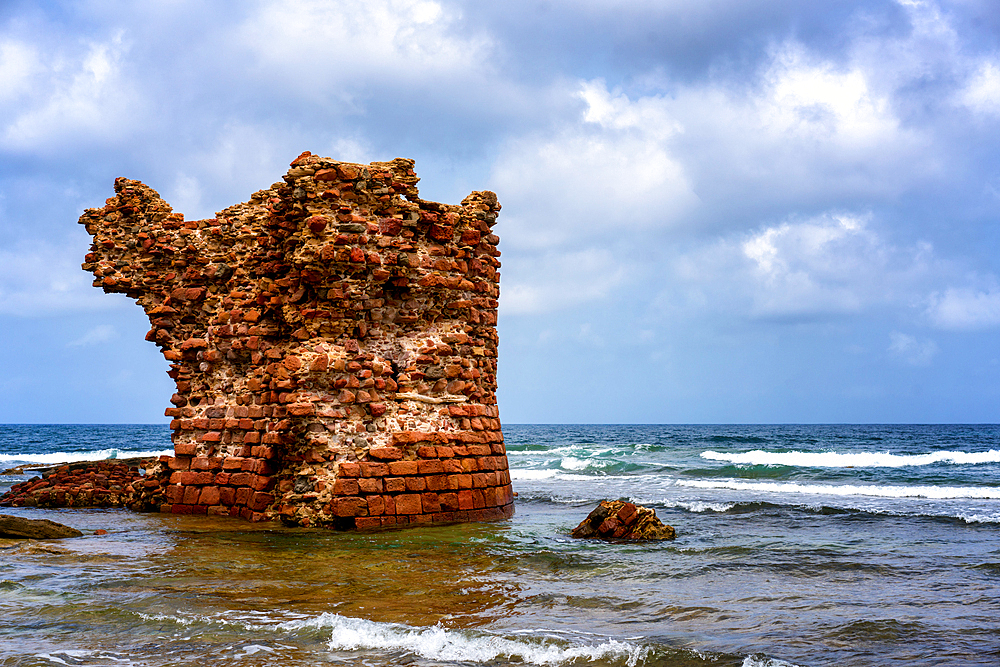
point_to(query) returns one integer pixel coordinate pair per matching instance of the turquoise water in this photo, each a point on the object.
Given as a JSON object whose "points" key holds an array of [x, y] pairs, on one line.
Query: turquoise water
{"points": [[802, 545]]}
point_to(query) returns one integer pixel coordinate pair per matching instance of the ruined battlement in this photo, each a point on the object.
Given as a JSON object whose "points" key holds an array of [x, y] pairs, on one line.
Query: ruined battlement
{"points": [[334, 345]]}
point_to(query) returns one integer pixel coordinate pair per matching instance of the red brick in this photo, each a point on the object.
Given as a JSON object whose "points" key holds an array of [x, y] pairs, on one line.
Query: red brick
{"points": [[206, 463], [232, 463], [349, 506], [367, 523], [209, 496], [430, 467], [241, 479], [260, 501], [376, 505], [185, 449], [408, 504], [427, 452], [466, 500], [345, 487], [347, 469], [370, 485], [386, 453], [179, 463], [394, 484], [449, 501], [374, 469], [243, 495], [415, 483], [430, 503], [403, 468], [191, 494], [262, 483], [437, 483]]}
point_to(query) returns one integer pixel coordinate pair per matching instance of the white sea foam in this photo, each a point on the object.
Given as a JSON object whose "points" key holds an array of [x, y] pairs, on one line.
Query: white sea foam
{"points": [[523, 474], [764, 661], [852, 459], [573, 463], [935, 492], [55, 458], [980, 518], [532, 474], [437, 643], [705, 507]]}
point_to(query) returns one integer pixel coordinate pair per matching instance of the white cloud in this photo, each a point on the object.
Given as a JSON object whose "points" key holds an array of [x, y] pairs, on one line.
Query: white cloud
{"points": [[982, 93], [313, 43], [102, 333], [831, 264], [605, 172], [911, 350], [965, 309], [18, 64], [67, 96]]}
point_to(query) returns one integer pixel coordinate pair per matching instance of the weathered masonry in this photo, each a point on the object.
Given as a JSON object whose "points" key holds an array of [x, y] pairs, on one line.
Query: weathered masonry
{"points": [[334, 346]]}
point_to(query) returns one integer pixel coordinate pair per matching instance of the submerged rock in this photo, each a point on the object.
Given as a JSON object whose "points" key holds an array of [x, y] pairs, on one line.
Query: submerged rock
{"points": [[34, 529], [619, 520]]}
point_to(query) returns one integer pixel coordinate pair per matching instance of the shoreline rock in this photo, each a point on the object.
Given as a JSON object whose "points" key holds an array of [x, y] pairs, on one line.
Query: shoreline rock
{"points": [[34, 529], [620, 520]]}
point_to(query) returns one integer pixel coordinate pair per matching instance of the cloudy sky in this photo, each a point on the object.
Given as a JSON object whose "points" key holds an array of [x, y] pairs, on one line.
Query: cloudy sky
{"points": [[714, 210]]}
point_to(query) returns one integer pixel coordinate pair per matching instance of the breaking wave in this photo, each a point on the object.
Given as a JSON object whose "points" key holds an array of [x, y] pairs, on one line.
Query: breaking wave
{"points": [[437, 643], [852, 460], [55, 458], [877, 491]]}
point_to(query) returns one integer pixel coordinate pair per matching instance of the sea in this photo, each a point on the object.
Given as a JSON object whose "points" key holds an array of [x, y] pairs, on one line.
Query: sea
{"points": [[796, 545]]}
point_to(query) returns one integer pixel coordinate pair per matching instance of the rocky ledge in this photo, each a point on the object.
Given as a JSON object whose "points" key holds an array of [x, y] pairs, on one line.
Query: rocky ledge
{"points": [[34, 529], [619, 520]]}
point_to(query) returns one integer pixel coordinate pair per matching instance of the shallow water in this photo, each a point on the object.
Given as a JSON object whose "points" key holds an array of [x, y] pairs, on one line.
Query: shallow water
{"points": [[759, 575]]}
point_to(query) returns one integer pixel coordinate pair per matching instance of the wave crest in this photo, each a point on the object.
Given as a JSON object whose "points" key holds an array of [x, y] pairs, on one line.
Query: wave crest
{"points": [[935, 492], [55, 458], [852, 459], [437, 643]]}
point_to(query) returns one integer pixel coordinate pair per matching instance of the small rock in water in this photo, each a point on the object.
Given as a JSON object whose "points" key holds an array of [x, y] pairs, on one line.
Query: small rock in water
{"points": [[34, 529], [619, 520]]}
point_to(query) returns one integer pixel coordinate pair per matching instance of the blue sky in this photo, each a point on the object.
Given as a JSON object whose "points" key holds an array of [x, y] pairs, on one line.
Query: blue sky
{"points": [[746, 211]]}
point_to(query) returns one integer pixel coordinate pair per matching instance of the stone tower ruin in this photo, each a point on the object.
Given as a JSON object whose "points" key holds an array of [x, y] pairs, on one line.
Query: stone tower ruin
{"points": [[334, 345]]}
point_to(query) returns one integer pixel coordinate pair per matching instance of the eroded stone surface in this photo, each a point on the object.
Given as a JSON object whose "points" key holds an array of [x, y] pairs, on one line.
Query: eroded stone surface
{"points": [[34, 529], [619, 520], [333, 342]]}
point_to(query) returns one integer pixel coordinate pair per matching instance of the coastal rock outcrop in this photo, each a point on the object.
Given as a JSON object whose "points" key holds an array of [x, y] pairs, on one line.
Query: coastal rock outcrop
{"points": [[333, 341], [34, 529], [620, 520]]}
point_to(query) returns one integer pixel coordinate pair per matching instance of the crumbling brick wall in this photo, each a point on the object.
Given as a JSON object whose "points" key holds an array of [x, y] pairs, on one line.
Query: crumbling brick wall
{"points": [[334, 345]]}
